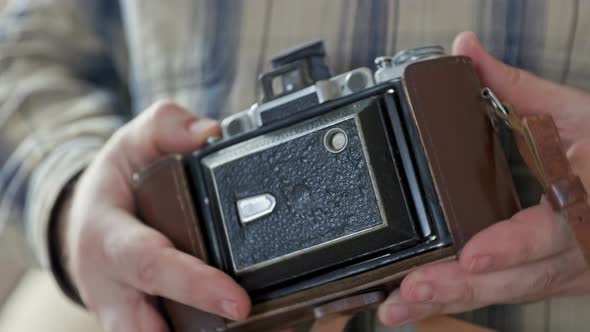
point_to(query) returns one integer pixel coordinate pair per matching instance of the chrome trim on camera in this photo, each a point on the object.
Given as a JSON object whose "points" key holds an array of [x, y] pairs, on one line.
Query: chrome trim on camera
{"points": [[393, 67], [415, 54], [336, 87], [420, 207]]}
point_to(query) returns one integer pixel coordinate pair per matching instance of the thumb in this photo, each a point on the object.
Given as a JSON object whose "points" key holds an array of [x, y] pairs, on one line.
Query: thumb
{"points": [[528, 93], [164, 128]]}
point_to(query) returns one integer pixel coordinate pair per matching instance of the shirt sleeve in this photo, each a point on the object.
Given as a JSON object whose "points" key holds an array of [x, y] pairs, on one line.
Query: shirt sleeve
{"points": [[56, 110]]}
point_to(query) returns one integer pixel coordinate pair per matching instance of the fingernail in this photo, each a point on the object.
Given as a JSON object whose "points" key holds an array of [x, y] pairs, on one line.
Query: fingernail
{"points": [[397, 314], [423, 292], [230, 309], [202, 125], [473, 40], [480, 264], [467, 41]]}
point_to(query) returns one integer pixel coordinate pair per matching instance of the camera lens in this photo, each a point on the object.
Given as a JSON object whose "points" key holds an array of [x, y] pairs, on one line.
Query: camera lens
{"points": [[335, 140]]}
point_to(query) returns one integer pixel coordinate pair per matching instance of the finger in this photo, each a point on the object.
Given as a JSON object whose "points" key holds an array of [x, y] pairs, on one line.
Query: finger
{"points": [[530, 235], [448, 283], [579, 158], [146, 260], [528, 93], [394, 311], [399, 313], [164, 128], [129, 311], [578, 285]]}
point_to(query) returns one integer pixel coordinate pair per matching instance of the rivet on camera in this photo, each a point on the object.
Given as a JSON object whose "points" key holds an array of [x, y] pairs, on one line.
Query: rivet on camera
{"points": [[335, 140], [356, 81]]}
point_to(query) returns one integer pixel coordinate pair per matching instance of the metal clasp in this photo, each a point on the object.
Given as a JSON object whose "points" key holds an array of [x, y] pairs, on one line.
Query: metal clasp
{"points": [[501, 111], [515, 123]]}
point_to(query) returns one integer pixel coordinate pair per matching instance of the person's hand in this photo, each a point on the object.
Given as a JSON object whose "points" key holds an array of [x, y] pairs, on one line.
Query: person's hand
{"points": [[530, 256], [117, 262]]}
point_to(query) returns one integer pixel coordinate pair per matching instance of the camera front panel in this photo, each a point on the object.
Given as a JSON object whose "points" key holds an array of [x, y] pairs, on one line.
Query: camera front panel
{"points": [[321, 176], [380, 217], [436, 169]]}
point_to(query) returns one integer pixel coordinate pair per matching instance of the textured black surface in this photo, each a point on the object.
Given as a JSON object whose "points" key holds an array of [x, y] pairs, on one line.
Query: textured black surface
{"points": [[359, 253], [320, 196]]}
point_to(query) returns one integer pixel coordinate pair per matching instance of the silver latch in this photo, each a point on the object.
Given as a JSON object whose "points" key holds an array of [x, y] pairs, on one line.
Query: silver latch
{"points": [[254, 207]]}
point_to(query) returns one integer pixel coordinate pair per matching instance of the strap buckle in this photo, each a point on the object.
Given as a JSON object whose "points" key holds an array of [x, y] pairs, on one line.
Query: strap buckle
{"points": [[503, 112]]}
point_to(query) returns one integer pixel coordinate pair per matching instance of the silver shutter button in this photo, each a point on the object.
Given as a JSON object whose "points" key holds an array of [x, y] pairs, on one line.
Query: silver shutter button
{"points": [[254, 207]]}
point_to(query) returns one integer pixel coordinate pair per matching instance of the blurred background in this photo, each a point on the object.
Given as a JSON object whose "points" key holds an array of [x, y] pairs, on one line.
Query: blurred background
{"points": [[12, 246], [26, 290], [18, 281]]}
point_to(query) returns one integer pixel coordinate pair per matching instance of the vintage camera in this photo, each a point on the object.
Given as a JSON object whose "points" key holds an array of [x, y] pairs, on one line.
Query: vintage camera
{"points": [[333, 186]]}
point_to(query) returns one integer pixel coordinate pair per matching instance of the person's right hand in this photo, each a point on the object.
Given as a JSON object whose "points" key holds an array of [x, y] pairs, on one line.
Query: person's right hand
{"points": [[528, 257], [116, 262]]}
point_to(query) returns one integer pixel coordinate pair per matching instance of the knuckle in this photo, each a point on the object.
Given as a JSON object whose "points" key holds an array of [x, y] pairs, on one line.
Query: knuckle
{"points": [[526, 252], [148, 260], [213, 278], [85, 248], [120, 140], [513, 75], [468, 293], [116, 249], [124, 131], [543, 280], [147, 266], [138, 243], [153, 241], [523, 250], [211, 275], [214, 274], [158, 121], [162, 109]]}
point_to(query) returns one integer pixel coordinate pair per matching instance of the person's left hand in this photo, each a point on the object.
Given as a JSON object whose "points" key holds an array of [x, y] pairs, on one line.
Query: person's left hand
{"points": [[532, 255]]}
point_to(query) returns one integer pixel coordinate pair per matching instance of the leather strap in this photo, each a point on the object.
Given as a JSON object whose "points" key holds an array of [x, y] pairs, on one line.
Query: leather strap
{"points": [[539, 143], [541, 148]]}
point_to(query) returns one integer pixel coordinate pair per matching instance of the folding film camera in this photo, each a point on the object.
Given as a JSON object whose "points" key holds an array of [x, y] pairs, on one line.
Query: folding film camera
{"points": [[320, 197]]}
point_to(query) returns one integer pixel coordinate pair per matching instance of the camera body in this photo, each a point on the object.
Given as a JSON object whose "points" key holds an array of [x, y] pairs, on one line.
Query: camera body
{"points": [[311, 184], [333, 186]]}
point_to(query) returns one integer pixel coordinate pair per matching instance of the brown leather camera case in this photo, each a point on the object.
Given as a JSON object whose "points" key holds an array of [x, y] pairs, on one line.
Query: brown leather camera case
{"points": [[466, 161]]}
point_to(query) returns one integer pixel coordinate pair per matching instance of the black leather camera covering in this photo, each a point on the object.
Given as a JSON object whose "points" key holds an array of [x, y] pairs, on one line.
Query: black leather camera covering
{"points": [[327, 208], [321, 196]]}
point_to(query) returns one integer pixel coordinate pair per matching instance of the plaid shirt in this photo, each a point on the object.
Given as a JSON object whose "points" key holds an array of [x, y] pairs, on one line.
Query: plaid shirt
{"points": [[73, 71]]}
